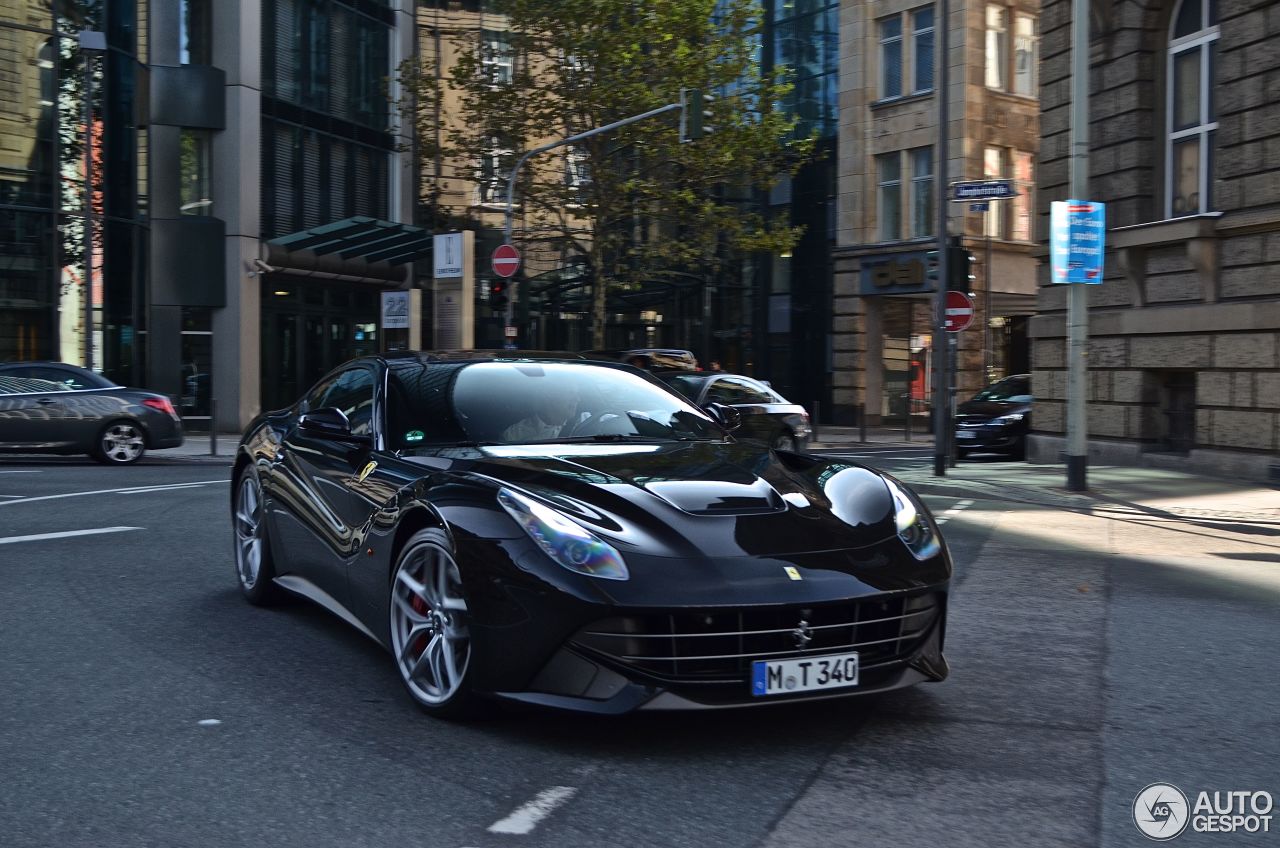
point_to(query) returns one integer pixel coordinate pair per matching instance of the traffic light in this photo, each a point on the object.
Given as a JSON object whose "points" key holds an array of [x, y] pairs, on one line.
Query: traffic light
{"points": [[695, 110], [960, 270], [931, 268], [498, 295]]}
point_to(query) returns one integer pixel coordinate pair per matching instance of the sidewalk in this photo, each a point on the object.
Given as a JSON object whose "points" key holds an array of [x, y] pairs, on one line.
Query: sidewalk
{"points": [[1151, 491], [195, 448]]}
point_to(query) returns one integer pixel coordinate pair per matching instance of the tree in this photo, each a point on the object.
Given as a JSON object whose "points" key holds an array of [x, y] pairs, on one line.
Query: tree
{"points": [[636, 203]]}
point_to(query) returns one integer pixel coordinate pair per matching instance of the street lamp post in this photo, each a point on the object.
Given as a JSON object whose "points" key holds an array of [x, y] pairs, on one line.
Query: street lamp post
{"points": [[92, 43]]}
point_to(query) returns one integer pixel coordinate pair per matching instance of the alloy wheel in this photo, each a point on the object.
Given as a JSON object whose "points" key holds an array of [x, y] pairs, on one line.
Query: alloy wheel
{"points": [[429, 635], [248, 523], [122, 442]]}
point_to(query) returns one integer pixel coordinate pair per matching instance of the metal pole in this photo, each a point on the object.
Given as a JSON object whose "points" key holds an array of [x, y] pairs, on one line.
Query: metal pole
{"points": [[1077, 294], [941, 410], [862, 423], [213, 424], [88, 209], [988, 355]]}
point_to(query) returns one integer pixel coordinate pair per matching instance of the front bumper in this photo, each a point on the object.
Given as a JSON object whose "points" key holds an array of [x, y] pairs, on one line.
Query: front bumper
{"points": [[899, 639], [987, 438]]}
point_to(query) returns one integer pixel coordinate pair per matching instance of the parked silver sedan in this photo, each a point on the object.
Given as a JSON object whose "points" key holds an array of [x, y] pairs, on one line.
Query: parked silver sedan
{"points": [[53, 407]]}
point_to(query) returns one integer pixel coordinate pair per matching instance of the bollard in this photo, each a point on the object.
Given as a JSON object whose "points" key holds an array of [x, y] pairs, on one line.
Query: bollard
{"points": [[813, 421], [862, 423], [906, 425], [213, 428]]}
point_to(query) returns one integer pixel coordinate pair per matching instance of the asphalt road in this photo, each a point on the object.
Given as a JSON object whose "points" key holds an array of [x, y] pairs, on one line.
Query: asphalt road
{"points": [[142, 702]]}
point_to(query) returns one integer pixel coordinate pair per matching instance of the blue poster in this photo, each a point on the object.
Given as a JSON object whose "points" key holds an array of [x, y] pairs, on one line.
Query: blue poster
{"points": [[1077, 239]]}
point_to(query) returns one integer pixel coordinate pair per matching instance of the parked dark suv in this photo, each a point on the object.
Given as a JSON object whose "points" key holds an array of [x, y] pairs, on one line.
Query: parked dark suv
{"points": [[996, 419]]}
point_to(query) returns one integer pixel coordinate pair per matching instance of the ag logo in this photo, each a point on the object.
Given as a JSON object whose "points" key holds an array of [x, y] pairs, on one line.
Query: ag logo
{"points": [[1161, 811]]}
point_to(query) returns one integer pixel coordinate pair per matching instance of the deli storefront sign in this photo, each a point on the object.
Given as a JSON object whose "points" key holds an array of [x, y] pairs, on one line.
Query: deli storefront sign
{"points": [[895, 273]]}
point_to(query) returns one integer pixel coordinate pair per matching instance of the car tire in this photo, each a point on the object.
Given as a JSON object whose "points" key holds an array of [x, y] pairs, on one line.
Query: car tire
{"points": [[962, 453], [428, 623], [785, 441], [255, 567], [1020, 449], [120, 442]]}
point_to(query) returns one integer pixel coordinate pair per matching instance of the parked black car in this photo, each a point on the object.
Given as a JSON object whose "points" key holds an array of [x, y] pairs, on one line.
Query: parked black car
{"points": [[766, 415], [648, 358], [53, 407], [638, 558], [996, 419]]}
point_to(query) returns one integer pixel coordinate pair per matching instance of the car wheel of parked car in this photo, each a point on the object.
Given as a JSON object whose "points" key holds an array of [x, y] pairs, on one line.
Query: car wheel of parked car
{"points": [[962, 453], [430, 639], [254, 566], [1020, 449], [120, 443], [785, 441]]}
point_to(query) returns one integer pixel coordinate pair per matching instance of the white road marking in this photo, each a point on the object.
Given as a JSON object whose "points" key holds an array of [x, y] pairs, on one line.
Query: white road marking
{"points": [[67, 534], [32, 471], [954, 510], [209, 722], [12, 496], [127, 491], [526, 818]]}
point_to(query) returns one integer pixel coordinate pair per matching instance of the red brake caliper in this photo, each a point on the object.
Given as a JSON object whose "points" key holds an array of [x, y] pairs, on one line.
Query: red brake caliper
{"points": [[420, 607]]}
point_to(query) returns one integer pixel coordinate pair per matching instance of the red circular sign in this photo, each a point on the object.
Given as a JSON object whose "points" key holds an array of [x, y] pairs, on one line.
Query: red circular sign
{"points": [[959, 311], [506, 260]]}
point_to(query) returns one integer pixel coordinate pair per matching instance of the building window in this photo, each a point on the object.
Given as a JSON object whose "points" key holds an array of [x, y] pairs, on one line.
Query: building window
{"points": [[993, 169], [193, 160], [889, 171], [891, 57], [997, 46], [195, 42], [495, 56], [896, 62], [495, 169], [922, 48], [922, 192], [1024, 185], [1026, 55], [577, 176], [1193, 119]]}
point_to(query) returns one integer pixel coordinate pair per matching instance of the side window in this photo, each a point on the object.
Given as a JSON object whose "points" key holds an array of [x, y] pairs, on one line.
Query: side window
{"points": [[750, 392], [724, 391], [57, 375], [352, 392]]}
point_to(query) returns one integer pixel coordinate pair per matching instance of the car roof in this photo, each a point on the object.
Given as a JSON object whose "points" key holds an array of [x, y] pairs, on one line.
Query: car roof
{"points": [[425, 356]]}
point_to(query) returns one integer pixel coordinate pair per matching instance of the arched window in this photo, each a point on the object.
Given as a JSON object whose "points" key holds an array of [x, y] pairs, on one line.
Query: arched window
{"points": [[1193, 120]]}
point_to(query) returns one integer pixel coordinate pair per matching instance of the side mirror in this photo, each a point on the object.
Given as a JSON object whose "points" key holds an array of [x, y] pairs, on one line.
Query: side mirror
{"points": [[329, 423], [726, 416]]}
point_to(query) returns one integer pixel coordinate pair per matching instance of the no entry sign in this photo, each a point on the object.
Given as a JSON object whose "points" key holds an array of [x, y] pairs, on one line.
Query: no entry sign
{"points": [[959, 311], [506, 260]]}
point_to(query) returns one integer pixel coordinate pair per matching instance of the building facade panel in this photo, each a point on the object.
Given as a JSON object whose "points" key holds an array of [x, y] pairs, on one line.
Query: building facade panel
{"points": [[1181, 129]]}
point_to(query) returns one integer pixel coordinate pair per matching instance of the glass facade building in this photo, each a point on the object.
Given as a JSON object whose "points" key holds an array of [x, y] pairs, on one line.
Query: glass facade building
{"points": [[72, 256]]}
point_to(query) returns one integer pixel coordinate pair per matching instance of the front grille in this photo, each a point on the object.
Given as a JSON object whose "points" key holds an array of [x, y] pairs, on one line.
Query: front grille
{"points": [[719, 644]]}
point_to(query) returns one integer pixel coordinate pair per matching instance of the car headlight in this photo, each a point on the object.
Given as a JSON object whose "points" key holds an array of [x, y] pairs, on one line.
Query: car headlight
{"points": [[568, 543], [1011, 418], [914, 528]]}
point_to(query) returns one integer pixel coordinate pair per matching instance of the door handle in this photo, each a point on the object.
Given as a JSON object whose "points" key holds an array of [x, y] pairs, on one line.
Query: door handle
{"points": [[46, 401]]}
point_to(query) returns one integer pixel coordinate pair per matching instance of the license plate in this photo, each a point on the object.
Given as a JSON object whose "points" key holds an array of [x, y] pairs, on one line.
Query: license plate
{"points": [[966, 434], [803, 674]]}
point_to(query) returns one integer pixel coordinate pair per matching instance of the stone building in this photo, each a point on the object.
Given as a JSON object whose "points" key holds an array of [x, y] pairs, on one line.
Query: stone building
{"points": [[1184, 348], [887, 218]]}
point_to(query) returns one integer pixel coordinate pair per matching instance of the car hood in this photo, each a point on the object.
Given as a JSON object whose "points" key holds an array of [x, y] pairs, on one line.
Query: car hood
{"points": [[991, 408], [702, 498]]}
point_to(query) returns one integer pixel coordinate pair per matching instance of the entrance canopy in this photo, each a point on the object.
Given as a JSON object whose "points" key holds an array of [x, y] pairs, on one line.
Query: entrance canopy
{"points": [[359, 239]]}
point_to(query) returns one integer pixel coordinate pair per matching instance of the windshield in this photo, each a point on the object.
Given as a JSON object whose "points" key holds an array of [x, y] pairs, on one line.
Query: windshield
{"points": [[521, 402], [1010, 389]]}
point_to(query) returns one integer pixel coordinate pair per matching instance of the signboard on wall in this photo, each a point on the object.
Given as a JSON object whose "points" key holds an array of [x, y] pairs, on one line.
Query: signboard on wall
{"points": [[1077, 238], [895, 273], [395, 310], [447, 255]]}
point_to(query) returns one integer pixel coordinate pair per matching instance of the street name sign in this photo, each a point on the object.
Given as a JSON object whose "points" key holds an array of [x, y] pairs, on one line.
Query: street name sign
{"points": [[1077, 238], [959, 311], [506, 260], [983, 190]]}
